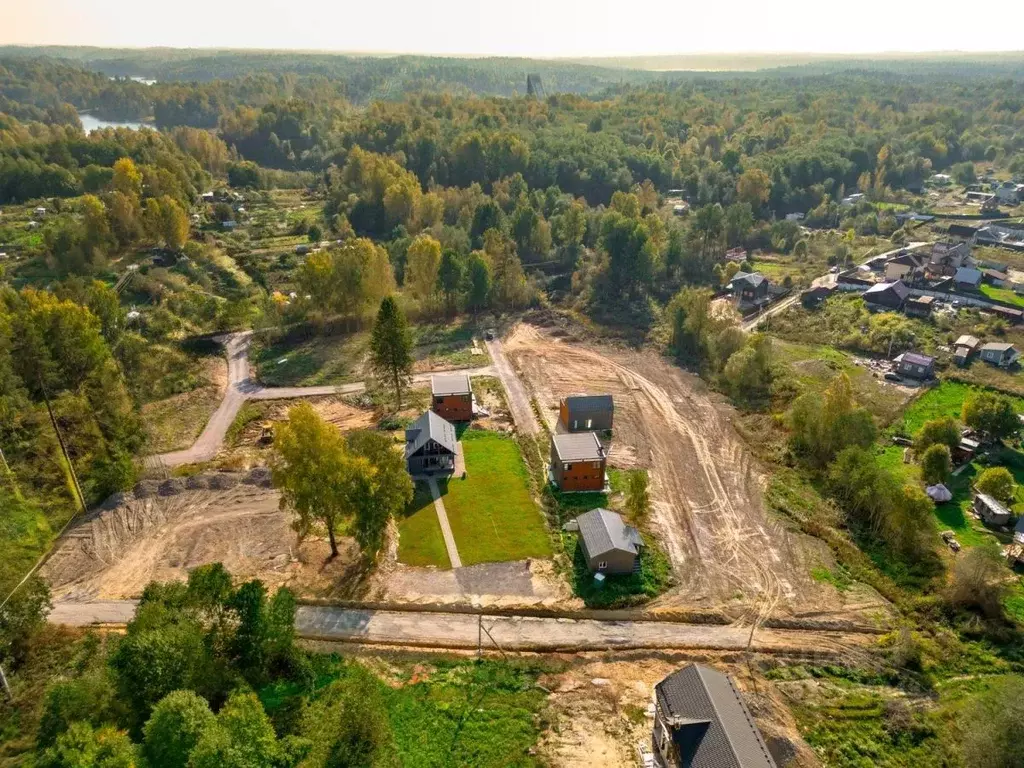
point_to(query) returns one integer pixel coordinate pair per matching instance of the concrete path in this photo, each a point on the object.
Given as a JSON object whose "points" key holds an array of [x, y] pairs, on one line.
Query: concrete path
{"points": [[518, 633], [518, 399], [446, 529], [241, 388]]}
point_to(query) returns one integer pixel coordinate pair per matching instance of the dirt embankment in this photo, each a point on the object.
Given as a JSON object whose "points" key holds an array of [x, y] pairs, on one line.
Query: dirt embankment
{"points": [[707, 490]]}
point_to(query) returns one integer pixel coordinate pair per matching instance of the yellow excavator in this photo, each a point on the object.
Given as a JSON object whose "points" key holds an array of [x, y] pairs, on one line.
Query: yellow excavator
{"points": [[266, 433]]}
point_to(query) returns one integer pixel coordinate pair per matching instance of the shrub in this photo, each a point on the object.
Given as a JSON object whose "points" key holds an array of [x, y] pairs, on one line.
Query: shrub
{"points": [[998, 483]]}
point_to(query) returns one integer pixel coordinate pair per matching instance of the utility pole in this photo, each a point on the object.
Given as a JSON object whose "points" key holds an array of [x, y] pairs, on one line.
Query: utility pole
{"points": [[63, 447], [7, 688]]}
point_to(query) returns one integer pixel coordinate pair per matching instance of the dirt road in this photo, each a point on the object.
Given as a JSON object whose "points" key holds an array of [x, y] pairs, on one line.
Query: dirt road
{"points": [[708, 508], [511, 633], [240, 388], [518, 399]]}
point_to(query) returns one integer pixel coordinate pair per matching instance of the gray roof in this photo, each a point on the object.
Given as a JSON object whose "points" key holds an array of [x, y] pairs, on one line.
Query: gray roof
{"points": [[427, 427], [753, 278], [589, 403], [704, 699], [909, 259], [604, 531], [898, 287], [579, 447], [997, 346], [992, 504], [967, 275], [450, 384]]}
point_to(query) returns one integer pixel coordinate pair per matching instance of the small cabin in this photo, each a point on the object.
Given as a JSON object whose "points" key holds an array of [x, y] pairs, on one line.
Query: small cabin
{"points": [[990, 510], [586, 413]]}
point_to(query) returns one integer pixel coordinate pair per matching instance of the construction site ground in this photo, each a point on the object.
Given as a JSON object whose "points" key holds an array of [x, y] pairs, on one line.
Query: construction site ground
{"points": [[727, 551]]}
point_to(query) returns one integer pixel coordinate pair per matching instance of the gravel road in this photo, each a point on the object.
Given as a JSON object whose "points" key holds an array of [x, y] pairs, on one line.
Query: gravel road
{"points": [[514, 633], [241, 388]]}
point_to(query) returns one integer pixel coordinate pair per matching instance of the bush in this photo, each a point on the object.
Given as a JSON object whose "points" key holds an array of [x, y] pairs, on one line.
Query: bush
{"points": [[944, 431], [936, 464], [174, 728]]}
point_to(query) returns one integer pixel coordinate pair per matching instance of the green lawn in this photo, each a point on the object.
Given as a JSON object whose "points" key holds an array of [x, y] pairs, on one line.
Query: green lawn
{"points": [[947, 399], [492, 513], [420, 541], [1002, 294]]}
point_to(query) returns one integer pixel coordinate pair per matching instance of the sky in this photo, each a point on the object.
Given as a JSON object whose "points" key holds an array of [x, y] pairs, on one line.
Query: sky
{"points": [[540, 28]]}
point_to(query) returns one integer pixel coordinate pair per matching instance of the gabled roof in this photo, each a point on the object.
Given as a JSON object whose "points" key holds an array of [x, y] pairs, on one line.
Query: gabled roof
{"points": [[909, 259], [967, 341], [428, 427], [967, 275], [605, 531], [450, 384], [589, 403], [697, 694], [579, 447], [752, 279], [898, 287], [997, 346]]}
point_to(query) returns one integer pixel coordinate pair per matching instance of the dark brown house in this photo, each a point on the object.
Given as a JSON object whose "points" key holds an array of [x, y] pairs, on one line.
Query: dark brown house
{"points": [[579, 413], [578, 462], [609, 545], [886, 295], [452, 396], [701, 721], [914, 365], [750, 287]]}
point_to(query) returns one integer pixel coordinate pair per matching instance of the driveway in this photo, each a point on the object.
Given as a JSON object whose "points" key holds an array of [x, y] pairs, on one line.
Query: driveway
{"points": [[516, 633], [518, 399], [242, 387]]}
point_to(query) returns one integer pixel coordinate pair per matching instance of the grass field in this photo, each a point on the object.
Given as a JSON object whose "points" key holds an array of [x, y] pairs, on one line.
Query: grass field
{"points": [[1002, 294], [420, 541], [492, 513], [947, 399], [176, 422]]}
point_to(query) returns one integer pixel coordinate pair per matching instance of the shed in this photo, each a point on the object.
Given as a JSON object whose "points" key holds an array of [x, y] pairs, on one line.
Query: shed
{"points": [[990, 510], [887, 295], [919, 306], [587, 412], [964, 347], [999, 353], [609, 545], [701, 721], [813, 297], [430, 445]]}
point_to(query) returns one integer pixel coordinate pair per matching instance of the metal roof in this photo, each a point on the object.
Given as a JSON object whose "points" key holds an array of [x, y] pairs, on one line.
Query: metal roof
{"points": [[603, 531], [994, 506], [997, 346], [589, 403], [916, 358], [967, 275], [967, 341], [428, 427], [898, 287], [753, 278], [579, 447], [704, 700], [450, 384]]}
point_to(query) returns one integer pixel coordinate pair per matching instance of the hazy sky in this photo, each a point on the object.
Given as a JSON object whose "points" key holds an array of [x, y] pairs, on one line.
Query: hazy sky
{"points": [[523, 28]]}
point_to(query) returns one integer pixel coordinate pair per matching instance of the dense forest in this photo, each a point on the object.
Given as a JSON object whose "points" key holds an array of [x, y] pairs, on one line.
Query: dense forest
{"points": [[298, 191]]}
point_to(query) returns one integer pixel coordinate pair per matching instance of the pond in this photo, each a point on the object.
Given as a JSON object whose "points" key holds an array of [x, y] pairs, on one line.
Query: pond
{"points": [[91, 123]]}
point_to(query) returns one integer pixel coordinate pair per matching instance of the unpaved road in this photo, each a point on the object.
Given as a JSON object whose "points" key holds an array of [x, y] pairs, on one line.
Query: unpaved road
{"points": [[708, 507], [511, 633], [241, 387], [518, 399]]}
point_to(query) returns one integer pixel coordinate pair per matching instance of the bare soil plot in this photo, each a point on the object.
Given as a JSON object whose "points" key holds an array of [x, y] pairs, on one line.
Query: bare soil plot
{"points": [[708, 507], [175, 423]]}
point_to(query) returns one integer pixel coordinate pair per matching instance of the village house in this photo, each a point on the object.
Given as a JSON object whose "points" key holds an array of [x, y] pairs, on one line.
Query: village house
{"points": [[990, 510], [579, 413], [813, 297], [1008, 192], [947, 257], [701, 721], [610, 546], [964, 347], [919, 306], [451, 396], [430, 445], [886, 296], [999, 353], [967, 279], [908, 267], [737, 254], [914, 365], [750, 288], [578, 462], [995, 277], [965, 450]]}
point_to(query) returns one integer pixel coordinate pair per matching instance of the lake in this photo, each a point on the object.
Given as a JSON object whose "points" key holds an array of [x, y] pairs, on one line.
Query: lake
{"points": [[91, 123]]}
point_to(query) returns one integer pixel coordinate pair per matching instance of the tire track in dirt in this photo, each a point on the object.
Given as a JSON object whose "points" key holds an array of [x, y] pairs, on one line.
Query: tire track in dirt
{"points": [[707, 508]]}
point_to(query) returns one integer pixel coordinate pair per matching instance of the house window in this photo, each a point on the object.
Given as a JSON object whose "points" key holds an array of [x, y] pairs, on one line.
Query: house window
{"points": [[590, 423], [596, 465], [602, 565], [566, 467]]}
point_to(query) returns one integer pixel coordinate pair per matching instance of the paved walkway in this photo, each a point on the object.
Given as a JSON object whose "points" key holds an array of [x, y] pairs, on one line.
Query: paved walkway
{"points": [[446, 528], [241, 388], [521, 633]]}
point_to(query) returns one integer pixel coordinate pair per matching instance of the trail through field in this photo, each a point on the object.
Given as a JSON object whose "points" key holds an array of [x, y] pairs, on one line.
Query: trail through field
{"points": [[707, 493]]}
